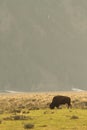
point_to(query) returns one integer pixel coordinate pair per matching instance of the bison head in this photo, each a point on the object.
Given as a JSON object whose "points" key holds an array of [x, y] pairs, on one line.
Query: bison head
{"points": [[51, 106]]}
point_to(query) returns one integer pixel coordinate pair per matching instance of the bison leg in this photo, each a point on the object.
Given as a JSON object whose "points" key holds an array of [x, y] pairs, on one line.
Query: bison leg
{"points": [[57, 106], [69, 106]]}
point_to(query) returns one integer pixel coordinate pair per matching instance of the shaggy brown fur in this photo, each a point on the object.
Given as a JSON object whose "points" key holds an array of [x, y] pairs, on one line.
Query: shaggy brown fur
{"points": [[59, 100]]}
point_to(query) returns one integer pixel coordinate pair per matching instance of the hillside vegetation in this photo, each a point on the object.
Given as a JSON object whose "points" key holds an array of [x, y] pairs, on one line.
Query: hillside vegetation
{"points": [[31, 111], [11, 102]]}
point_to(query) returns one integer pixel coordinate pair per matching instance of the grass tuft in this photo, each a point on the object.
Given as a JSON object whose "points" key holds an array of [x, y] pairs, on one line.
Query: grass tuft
{"points": [[28, 126], [74, 117], [16, 117]]}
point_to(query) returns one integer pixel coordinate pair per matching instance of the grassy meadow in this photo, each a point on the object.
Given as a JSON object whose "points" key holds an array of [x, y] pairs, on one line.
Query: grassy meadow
{"points": [[26, 111]]}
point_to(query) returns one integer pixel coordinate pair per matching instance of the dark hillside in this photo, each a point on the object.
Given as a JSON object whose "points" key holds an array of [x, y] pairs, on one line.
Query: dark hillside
{"points": [[43, 45]]}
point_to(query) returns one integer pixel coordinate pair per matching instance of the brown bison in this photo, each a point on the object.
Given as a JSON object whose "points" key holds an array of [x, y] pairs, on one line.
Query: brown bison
{"points": [[59, 100]]}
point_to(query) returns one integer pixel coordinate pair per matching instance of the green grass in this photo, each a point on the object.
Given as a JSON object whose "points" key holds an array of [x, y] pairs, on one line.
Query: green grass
{"points": [[46, 119]]}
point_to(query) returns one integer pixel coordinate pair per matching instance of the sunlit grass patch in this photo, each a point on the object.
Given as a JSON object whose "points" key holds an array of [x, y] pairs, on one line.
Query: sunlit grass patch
{"points": [[49, 120]]}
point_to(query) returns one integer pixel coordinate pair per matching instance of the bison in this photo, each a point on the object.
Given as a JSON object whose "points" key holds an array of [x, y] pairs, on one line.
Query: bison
{"points": [[59, 100]]}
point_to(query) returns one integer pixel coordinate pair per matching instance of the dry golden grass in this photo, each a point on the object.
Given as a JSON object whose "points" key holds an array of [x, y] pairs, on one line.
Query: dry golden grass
{"points": [[23, 102]]}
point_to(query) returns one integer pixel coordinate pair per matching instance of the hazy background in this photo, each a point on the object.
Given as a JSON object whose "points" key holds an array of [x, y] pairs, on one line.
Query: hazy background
{"points": [[43, 45]]}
